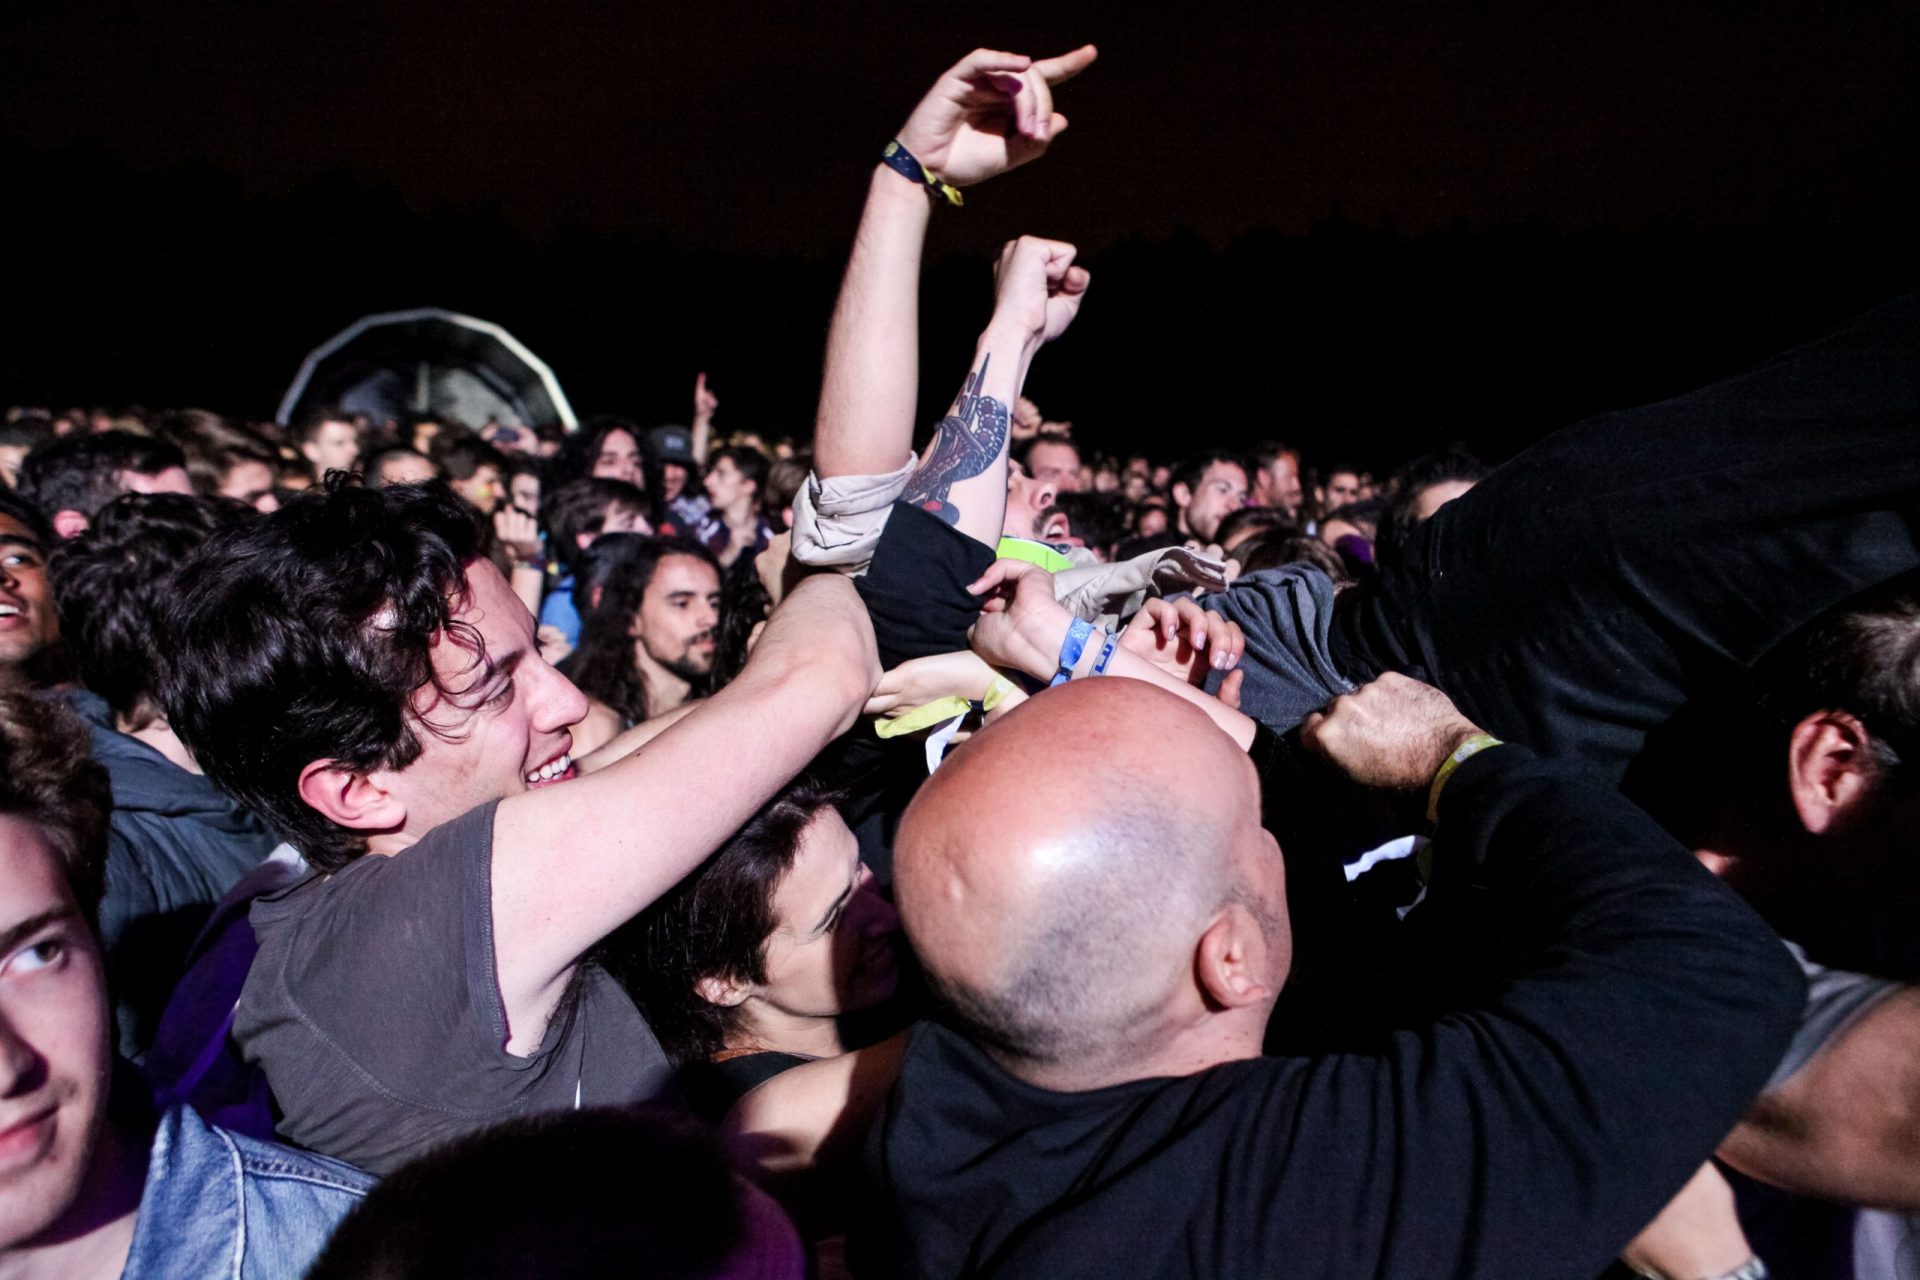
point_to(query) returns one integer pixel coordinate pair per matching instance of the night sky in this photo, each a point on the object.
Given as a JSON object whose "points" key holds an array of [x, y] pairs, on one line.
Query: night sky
{"points": [[743, 130], [743, 125]]}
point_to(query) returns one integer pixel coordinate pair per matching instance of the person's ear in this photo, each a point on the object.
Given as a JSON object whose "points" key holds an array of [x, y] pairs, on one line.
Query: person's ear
{"points": [[583, 540], [69, 523], [725, 992], [1182, 496], [1830, 768], [1230, 962], [354, 800]]}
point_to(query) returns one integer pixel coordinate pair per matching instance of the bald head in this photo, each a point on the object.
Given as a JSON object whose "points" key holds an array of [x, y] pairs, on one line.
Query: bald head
{"points": [[1058, 872]]}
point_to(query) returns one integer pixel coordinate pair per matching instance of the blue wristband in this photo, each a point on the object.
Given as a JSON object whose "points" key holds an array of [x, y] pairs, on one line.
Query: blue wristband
{"points": [[1106, 654], [1070, 650]]}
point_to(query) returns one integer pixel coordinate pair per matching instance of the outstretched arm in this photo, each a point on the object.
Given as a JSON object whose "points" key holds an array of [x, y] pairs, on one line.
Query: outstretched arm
{"points": [[989, 113], [570, 863]]}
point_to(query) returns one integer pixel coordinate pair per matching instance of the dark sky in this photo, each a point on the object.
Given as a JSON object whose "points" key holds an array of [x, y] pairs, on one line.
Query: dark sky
{"points": [[748, 126]]}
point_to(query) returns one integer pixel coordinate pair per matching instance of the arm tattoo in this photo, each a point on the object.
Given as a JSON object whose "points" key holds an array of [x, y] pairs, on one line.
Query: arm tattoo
{"points": [[964, 444]]}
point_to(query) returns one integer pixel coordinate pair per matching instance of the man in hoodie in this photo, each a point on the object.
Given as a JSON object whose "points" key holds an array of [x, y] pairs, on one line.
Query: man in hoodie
{"points": [[177, 843]]}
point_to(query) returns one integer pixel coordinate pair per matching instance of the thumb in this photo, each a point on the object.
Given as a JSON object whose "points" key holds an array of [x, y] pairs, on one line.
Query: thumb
{"points": [[1230, 688]]}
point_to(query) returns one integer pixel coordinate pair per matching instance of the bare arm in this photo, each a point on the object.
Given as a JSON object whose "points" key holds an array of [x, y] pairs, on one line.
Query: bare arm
{"points": [[1847, 1125], [988, 113], [570, 863], [800, 1134]]}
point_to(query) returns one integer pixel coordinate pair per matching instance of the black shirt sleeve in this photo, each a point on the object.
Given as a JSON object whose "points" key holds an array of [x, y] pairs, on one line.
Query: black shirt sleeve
{"points": [[1633, 1007]]}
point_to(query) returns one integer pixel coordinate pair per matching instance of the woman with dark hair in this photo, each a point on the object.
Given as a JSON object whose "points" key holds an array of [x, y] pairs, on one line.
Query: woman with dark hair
{"points": [[608, 448], [652, 606], [748, 966]]}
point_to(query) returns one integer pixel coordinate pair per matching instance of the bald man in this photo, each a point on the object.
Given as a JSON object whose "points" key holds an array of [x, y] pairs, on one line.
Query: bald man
{"points": [[1109, 946]]}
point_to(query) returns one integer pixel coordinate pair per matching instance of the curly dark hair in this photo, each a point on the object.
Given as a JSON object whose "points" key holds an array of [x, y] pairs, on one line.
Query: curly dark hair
{"points": [[304, 635], [110, 582], [48, 778], [620, 567], [82, 473], [713, 924]]}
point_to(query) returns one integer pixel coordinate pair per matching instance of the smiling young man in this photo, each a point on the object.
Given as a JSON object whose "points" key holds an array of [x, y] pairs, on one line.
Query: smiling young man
{"points": [[29, 625], [351, 669], [90, 1189]]}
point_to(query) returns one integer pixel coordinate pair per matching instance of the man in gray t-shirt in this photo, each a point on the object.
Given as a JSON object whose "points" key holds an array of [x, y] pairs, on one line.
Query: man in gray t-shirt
{"points": [[353, 670]]}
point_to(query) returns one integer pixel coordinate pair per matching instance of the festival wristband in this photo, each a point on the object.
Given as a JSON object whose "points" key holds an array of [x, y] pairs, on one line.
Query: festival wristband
{"points": [[902, 162], [1106, 654], [1070, 650], [925, 716], [996, 693], [1464, 752]]}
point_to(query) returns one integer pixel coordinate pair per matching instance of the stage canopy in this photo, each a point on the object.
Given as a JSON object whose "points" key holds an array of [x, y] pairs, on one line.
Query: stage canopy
{"points": [[429, 361]]}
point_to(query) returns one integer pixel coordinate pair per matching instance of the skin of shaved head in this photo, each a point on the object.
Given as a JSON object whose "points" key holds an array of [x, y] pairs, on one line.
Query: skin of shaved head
{"points": [[1088, 886]]}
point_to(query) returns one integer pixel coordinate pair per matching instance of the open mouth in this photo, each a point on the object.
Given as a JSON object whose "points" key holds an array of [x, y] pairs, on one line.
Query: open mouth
{"points": [[12, 615], [558, 769]]}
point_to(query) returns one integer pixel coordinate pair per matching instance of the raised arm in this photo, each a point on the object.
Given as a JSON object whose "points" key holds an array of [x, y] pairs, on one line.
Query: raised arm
{"points": [[572, 862], [989, 113]]}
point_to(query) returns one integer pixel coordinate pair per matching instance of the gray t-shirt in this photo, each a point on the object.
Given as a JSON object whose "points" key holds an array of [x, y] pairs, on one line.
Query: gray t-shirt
{"points": [[374, 1011]]}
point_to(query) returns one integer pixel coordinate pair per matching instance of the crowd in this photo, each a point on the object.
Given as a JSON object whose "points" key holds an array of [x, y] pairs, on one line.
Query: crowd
{"points": [[441, 848]]}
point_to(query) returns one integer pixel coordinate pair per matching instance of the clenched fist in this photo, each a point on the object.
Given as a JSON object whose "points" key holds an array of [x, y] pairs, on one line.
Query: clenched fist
{"points": [[1395, 732]]}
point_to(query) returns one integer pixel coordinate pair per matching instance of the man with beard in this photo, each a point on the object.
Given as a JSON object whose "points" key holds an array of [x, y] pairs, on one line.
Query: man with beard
{"points": [[647, 638]]}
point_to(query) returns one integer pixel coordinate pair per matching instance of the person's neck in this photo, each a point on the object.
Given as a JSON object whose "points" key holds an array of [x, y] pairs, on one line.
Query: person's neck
{"points": [[91, 1240], [742, 515], [159, 735], [781, 1032], [662, 689], [1221, 1038]]}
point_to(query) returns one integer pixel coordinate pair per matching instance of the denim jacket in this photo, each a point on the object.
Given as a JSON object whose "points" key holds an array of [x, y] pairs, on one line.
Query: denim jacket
{"points": [[220, 1205]]}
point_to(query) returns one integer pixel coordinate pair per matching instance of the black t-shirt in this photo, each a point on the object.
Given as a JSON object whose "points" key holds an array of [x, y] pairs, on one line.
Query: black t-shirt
{"points": [[374, 1010], [1633, 1006]]}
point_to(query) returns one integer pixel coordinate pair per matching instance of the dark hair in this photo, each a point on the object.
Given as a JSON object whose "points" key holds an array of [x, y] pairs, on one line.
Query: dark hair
{"points": [[1023, 449], [306, 428], [1139, 545], [48, 778], [581, 507], [464, 460], [1268, 452], [1252, 520], [566, 1195], [304, 635], [111, 583], [785, 476], [1192, 470], [35, 520], [714, 924], [82, 473], [1287, 545], [1455, 462], [213, 446], [1095, 518], [392, 451], [582, 451], [1862, 658], [750, 462], [621, 566]]}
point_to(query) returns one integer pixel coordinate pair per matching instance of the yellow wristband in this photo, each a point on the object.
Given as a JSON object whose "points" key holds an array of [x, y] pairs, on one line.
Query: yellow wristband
{"points": [[996, 693], [1464, 752], [939, 711]]}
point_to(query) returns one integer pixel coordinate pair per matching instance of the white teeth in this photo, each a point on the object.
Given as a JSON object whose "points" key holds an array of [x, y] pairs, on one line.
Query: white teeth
{"points": [[551, 770], [9, 610]]}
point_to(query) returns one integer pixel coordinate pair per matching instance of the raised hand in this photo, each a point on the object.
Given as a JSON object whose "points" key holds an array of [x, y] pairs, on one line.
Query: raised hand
{"points": [[1394, 732], [989, 113], [704, 401], [1020, 624], [1037, 287], [519, 533]]}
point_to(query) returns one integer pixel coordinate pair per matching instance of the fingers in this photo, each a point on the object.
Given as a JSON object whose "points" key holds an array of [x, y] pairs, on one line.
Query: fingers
{"points": [[1001, 573], [984, 61], [1230, 688], [1066, 66]]}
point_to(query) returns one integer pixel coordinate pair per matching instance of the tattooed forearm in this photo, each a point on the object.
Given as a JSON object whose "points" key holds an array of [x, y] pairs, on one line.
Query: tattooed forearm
{"points": [[964, 444]]}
